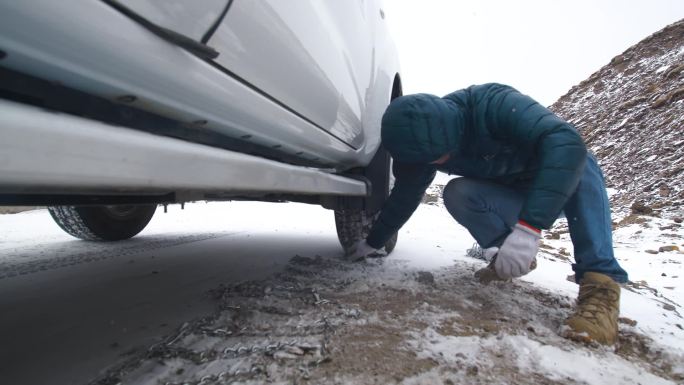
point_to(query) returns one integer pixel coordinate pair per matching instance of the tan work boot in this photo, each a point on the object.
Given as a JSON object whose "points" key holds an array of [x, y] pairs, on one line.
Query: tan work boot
{"points": [[598, 307]]}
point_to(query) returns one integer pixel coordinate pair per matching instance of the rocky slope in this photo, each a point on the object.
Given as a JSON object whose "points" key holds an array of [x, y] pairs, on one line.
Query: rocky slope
{"points": [[631, 114]]}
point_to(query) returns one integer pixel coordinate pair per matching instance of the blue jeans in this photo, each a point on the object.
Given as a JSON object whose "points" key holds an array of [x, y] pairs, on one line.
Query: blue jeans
{"points": [[488, 210]]}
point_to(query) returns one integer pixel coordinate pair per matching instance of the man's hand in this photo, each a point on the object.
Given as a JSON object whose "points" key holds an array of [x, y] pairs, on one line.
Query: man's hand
{"points": [[361, 250], [518, 251]]}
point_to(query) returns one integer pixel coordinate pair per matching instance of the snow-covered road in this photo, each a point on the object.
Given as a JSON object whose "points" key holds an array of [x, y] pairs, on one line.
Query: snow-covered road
{"points": [[71, 309]]}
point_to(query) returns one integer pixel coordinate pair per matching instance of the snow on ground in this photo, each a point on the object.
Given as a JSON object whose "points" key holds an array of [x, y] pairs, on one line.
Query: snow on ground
{"points": [[533, 357], [416, 317], [655, 294]]}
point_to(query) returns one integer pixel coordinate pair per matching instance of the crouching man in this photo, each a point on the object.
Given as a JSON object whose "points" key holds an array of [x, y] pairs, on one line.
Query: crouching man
{"points": [[520, 167]]}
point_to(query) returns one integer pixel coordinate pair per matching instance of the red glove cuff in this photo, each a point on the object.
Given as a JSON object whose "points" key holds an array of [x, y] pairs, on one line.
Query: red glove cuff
{"points": [[529, 226]]}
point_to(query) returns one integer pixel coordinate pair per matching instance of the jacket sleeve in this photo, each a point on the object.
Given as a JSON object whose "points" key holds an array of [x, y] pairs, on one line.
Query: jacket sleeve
{"points": [[557, 149], [411, 181]]}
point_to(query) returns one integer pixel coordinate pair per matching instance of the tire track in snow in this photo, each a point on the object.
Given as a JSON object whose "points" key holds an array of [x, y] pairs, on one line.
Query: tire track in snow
{"points": [[95, 252]]}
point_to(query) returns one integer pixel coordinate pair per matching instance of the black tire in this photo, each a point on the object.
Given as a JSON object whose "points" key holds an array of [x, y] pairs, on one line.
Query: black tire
{"points": [[355, 224], [102, 223]]}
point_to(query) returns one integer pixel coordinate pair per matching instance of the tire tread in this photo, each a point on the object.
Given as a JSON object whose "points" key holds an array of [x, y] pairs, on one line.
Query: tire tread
{"points": [[69, 220]]}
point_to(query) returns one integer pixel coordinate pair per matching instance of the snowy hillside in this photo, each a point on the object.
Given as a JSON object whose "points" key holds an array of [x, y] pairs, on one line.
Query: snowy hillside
{"points": [[631, 113]]}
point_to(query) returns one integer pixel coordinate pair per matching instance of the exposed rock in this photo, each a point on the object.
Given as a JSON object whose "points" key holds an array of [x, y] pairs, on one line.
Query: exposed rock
{"points": [[627, 321], [665, 190], [639, 207], [552, 235], [631, 219], [433, 195], [663, 249], [426, 278]]}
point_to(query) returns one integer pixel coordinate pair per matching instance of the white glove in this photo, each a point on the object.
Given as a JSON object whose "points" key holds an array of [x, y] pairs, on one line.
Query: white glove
{"points": [[517, 252], [361, 250]]}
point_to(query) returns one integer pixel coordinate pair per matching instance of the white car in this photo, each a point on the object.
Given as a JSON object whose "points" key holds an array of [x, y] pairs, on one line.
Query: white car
{"points": [[109, 108]]}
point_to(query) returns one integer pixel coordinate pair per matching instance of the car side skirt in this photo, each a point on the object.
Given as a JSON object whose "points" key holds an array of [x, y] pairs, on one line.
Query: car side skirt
{"points": [[48, 152]]}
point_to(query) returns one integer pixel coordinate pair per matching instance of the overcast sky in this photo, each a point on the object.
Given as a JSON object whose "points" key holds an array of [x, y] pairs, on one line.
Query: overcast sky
{"points": [[541, 47]]}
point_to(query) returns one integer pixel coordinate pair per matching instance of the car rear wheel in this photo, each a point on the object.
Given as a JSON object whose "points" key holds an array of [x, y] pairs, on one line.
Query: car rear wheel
{"points": [[354, 224], [102, 223]]}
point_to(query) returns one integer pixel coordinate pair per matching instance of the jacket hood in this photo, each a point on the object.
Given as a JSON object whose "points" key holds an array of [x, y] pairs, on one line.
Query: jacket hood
{"points": [[421, 128]]}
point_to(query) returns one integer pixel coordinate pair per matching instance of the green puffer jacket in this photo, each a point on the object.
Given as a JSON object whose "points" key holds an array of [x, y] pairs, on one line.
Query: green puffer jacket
{"points": [[492, 132]]}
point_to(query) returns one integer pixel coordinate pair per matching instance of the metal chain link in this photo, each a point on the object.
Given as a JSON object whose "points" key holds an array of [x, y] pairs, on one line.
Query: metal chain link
{"points": [[270, 349], [221, 378], [255, 370]]}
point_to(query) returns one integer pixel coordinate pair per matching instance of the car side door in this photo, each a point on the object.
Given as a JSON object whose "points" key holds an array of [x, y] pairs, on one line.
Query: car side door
{"points": [[315, 58]]}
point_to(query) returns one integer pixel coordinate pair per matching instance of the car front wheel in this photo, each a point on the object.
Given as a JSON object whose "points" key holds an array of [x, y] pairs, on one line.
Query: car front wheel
{"points": [[102, 223], [353, 225]]}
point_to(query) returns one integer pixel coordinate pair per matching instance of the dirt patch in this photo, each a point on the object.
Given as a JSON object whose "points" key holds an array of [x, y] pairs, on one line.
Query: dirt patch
{"points": [[327, 321], [636, 346]]}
